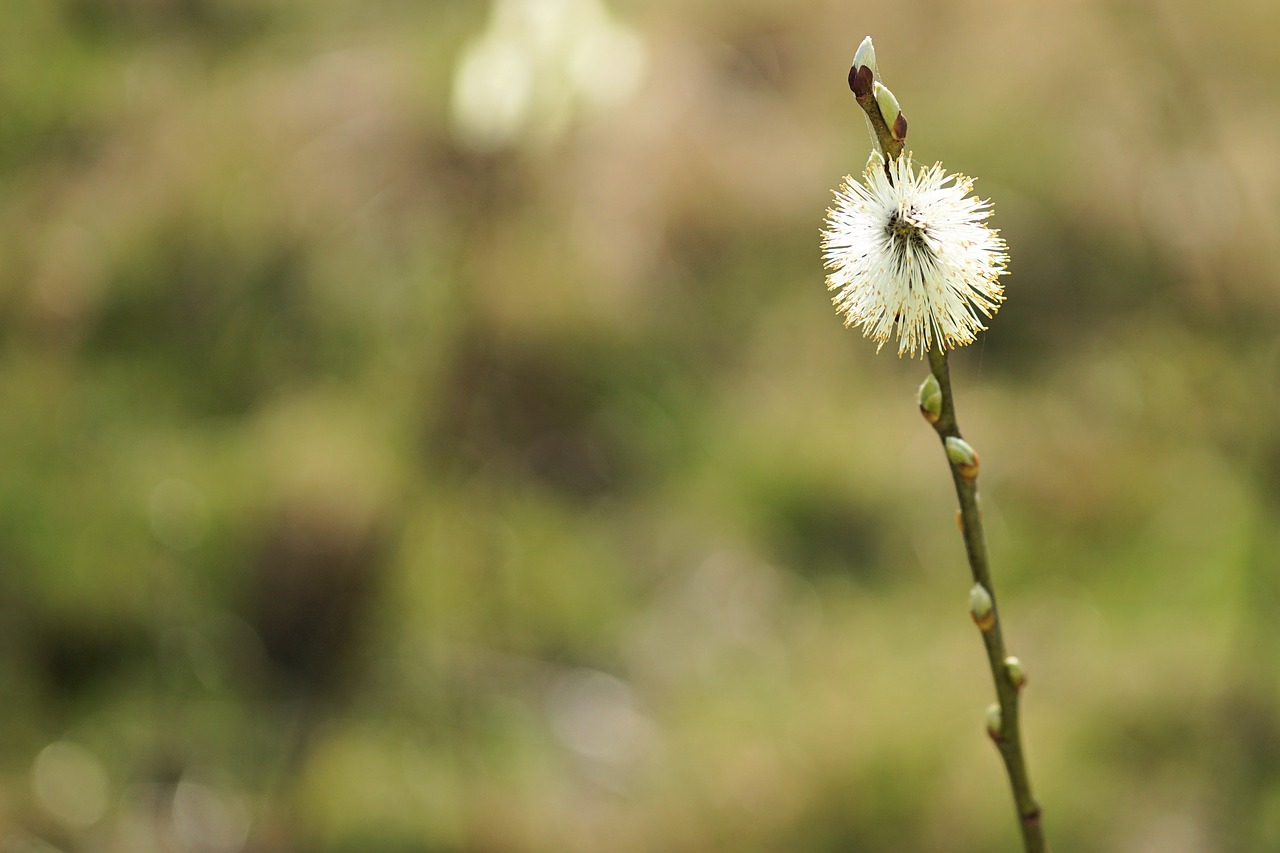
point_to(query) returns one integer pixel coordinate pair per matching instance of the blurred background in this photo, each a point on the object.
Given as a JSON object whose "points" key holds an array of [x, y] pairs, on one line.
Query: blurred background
{"points": [[424, 427]]}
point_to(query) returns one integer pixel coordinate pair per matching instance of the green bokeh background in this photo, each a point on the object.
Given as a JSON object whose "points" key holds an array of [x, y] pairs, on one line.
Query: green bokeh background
{"points": [[365, 490]]}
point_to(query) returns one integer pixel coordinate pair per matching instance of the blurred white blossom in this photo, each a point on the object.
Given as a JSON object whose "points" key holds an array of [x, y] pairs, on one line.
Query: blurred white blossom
{"points": [[539, 64]]}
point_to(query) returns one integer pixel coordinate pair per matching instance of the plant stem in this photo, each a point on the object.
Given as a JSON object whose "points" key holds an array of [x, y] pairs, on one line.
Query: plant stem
{"points": [[1008, 738]]}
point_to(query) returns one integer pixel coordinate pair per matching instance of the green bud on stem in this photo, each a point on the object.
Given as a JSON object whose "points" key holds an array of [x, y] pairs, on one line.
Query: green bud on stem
{"points": [[930, 399], [1017, 675], [963, 456], [995, 722], [887, 102], [982, 608]]}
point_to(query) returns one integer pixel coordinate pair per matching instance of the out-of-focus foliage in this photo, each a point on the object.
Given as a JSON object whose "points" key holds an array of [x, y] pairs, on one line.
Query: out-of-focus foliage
{"points": [[370, 482]]}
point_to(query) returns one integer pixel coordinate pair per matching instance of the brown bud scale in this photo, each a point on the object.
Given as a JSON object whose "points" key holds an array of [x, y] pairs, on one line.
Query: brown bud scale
{"points": [[861, 81], [899, 128]]}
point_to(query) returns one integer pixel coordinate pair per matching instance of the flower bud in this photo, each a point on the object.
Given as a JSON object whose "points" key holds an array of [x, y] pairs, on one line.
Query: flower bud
{"points": [[888, 103], [995, 722], [930, 399], [982, 608], [1017, 675], [963, 456], [866, 56]]}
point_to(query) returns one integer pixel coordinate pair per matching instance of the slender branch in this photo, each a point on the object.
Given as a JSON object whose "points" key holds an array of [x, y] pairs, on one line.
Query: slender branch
{"points": [[1006, 730], [1003, 722]]}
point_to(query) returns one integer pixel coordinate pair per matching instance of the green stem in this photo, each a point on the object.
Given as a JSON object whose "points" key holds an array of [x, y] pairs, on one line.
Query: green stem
{"points": [[1008, 739]]}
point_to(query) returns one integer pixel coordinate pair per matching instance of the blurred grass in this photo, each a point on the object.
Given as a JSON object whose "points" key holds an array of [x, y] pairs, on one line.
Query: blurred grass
{"points": [[367, 491]]}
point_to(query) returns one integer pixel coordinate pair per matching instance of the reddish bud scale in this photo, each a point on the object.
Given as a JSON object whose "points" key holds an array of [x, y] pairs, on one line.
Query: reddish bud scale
{"points": [[899, 128], [861, 81]]}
